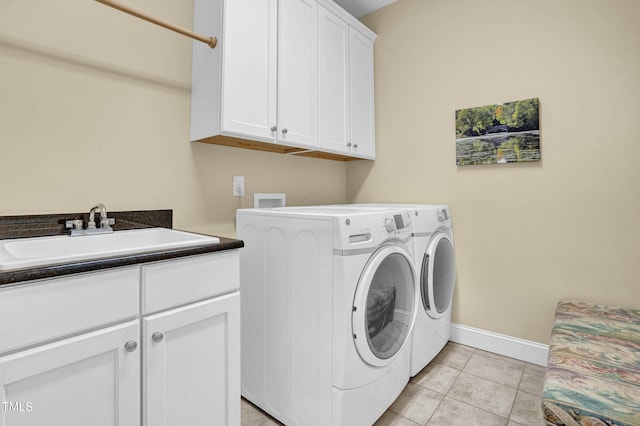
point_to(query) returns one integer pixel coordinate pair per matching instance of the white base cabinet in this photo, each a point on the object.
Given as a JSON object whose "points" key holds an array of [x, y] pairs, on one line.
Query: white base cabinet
{"points": [[283, 78], [159, 365], [85, 380], [190, 363]]}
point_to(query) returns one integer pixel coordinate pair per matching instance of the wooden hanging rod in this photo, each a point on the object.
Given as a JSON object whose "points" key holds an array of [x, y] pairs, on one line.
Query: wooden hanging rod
{"points": [[211, 41]]}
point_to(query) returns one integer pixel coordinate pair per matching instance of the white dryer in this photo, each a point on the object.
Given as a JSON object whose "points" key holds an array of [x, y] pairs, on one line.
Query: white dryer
{"points": [[328, 304], [435, 263]]}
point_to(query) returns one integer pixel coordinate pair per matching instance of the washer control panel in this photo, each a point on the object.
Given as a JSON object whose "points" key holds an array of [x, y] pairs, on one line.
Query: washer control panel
{"points": [[390, 224], [372, 228], [398, 223]]}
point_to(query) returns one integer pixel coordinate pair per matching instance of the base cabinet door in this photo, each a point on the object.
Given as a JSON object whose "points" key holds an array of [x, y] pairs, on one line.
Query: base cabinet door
{"points": [[192, 364], [91, 379]]}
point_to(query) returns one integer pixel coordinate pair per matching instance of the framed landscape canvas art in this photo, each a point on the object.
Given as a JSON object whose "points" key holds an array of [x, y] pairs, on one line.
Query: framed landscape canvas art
{"points": [[498, 134]]}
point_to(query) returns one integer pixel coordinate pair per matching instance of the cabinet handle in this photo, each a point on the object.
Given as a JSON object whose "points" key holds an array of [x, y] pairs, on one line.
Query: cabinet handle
{"points": [[284, 130], [274, 128], [130, 346], [348, 144], [355, 145], [157, 337]]}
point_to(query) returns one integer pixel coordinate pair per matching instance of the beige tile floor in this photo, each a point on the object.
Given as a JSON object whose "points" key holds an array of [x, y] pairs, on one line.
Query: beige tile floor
{"points": [[462, 386]]}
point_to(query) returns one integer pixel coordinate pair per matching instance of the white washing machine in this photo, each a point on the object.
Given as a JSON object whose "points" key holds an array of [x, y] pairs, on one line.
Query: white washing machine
{"points": [[435, 264], [328, 305]]}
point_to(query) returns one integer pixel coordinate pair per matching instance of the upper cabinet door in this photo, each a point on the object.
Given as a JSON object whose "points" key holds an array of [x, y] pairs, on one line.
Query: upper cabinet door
{"points": [[333, 78], [249, 68], [298, 72], [361, 94]]}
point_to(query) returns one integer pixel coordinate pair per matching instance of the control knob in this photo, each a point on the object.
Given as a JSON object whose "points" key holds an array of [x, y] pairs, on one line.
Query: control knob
{"points": [[390, 224]]}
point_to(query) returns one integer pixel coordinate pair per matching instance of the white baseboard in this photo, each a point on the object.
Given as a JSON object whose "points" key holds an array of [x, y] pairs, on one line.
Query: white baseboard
{"points": [[513, 347]]}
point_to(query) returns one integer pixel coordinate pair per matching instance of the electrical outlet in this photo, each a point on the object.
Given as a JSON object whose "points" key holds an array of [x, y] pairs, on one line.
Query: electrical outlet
{"points": [[238, 186]]}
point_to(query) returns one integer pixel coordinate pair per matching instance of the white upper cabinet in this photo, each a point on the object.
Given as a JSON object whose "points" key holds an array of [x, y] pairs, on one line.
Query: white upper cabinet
{"points": [[249, 68], [282, 78], [334, 111], [346, 88], [298, 72], [362, 109]]}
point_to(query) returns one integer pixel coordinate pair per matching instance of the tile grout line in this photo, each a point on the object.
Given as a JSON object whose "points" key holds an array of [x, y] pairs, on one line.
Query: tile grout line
{"points": [[399, 415], [473, 351], [436, 410], [513, 405], [479, 408], [517, 388], [444, 395]]}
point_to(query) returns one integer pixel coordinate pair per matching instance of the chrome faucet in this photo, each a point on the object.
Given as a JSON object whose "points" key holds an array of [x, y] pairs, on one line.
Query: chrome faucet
{"points": [[104, 220], [105, 223]]}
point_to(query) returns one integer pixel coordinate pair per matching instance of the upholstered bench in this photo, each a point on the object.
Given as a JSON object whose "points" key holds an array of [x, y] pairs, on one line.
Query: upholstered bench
{"points": [[593, 371]]}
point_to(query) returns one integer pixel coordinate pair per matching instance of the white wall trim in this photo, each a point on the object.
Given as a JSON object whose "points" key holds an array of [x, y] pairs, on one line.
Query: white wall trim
{"points": [[513, 347]]}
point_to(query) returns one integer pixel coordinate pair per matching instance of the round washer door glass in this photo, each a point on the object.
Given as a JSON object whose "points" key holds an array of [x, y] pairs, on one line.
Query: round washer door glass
{"points": [[438, 276], [384, 305]]}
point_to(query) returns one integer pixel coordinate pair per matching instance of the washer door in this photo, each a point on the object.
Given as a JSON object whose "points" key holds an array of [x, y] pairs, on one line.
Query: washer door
{"points": [[384, 305], [438, 276]]}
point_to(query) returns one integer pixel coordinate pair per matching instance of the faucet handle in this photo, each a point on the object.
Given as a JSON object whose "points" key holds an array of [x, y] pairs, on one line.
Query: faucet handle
{"points": [[73, 224], [105, 223]]}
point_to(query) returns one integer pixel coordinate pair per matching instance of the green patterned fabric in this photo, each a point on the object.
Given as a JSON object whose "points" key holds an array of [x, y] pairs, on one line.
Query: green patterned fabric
{"points": [[593, 371]]}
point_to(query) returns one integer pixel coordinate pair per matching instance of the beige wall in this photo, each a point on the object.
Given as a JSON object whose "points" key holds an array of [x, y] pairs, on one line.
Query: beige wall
{"points": [[526, 235], [94, 107]]}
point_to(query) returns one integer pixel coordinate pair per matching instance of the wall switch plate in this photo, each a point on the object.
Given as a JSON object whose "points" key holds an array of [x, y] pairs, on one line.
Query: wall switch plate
{"points": [[238, 186]]}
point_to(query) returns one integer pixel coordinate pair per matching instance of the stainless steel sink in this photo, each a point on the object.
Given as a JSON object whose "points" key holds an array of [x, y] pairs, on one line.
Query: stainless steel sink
{"points": [[42, 251]]}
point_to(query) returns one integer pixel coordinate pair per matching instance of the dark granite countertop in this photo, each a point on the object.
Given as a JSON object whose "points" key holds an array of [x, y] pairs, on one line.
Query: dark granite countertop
{"points": [[53, 224], [51, 271]]}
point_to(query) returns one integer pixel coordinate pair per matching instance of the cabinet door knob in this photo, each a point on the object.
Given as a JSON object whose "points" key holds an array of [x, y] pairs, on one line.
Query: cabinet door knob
{"points": [[284, 130], [274, 128], [348, 143], [355, 145], [157, 337], [130, 346]]}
